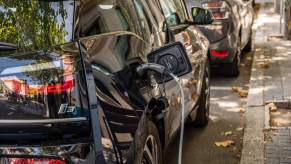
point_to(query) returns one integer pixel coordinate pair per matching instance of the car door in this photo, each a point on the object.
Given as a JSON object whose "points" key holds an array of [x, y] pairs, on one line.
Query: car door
{"points": [[176, 20], [246, 15], [114, 41]]}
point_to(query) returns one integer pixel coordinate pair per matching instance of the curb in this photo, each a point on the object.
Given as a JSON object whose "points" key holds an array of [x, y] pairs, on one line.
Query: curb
{"points": [[253, 139]]}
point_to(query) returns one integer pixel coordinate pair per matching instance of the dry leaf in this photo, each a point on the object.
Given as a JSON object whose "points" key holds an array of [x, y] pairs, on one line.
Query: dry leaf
{"points": [[242, 110], [226, 143], [266, 65], [243, 93], [272, 107]]}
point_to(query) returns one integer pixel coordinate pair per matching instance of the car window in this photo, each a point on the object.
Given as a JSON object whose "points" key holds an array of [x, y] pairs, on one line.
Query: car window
{"points": [[173, 11], [144, 19], [34, 24], [100, 17], [42, 85]]}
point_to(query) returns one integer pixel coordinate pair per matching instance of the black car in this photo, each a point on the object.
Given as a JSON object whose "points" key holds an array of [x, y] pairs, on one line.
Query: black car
{"points": [[70, 85], [230, 33]]}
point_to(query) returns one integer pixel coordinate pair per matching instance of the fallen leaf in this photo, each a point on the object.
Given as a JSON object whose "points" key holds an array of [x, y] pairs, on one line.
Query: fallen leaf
{"points": [[242, 110], [272, 107], [243, 93], [266, 66], [228, 133], [226, 143]]}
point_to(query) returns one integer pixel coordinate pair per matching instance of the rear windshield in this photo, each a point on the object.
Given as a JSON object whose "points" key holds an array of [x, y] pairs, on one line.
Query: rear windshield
{"points": [[41, 88], [36, 24]]}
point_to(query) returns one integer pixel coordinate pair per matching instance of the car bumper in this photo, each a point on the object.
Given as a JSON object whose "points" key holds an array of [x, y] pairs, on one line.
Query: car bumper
{"points": [[227, 44]]}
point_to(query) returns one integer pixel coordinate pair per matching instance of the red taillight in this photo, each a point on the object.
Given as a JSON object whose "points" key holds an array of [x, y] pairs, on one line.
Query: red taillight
{"points": [[220, 54], [213, 4], [220, 15], [35, 161], [219, 9]]}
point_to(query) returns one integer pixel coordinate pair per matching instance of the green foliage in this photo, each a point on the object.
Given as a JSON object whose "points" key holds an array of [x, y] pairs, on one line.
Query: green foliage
{"points": [[32, 24]]}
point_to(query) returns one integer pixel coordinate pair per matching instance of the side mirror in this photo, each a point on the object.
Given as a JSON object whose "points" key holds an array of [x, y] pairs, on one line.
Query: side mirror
{"points": [[201, 16], [174, 57]]}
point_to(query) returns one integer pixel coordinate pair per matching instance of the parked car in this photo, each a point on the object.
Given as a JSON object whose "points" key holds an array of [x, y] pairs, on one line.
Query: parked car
{"points": [[75, 62], [230, 33]]}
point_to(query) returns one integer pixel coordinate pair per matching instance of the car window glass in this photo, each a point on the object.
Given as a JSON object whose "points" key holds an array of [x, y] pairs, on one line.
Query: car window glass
{"points": [[36, 24], [100, 17], [173, 11], [42, 85], [144, 19]]}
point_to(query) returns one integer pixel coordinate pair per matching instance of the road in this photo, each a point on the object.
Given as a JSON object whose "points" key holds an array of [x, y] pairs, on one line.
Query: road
{"points": [[199, 144]]}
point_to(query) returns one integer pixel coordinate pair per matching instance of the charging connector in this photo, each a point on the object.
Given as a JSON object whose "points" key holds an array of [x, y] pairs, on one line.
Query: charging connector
{"points": [[162, 70]]}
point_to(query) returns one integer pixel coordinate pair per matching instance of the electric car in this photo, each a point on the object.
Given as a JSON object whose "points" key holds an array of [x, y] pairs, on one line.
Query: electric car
{"points": [[78, 84], [230, 33]]}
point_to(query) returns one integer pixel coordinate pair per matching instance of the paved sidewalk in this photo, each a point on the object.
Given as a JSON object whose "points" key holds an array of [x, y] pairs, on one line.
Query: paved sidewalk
{"points": [[270, 82], [279, 150]]}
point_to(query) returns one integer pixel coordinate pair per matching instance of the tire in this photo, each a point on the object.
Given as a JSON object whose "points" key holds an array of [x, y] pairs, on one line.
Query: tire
{"points": [[143, 141], [232, 69], [202, 117], [248, 47]]}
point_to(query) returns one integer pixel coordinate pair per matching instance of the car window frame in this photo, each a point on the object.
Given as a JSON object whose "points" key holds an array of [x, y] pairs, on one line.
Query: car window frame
{"points": [[178, 15]]}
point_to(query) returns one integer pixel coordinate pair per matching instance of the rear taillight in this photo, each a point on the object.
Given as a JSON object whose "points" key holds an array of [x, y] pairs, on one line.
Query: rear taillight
{"points": [[220, 54], [35, 161], [213, 4], [219, 9]]}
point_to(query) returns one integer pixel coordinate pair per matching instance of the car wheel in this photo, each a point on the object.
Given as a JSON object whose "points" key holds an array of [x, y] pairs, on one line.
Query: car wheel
{"points": [[147, 148], [248, 47], [232, 69], [202, 117]]}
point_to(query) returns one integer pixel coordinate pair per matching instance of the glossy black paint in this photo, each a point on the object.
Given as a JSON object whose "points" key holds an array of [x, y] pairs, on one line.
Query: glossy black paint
{"points": [[106, 51]]}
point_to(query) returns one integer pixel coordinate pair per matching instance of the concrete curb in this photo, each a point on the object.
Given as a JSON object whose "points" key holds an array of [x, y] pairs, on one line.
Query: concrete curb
{"points": [[253, 139]]}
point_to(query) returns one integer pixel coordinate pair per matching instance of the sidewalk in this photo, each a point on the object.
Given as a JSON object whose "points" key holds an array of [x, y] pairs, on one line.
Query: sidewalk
{"points": [[270, 82]]}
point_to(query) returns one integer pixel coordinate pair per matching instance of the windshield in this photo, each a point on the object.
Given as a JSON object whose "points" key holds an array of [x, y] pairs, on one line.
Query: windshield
{"points": [[36, 24]]}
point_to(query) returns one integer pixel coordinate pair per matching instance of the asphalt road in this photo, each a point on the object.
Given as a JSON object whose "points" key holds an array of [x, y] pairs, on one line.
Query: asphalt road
{"points": [[199, 144]]}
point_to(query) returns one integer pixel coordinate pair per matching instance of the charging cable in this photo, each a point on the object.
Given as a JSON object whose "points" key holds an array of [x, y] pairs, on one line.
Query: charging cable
{"points": [[162, 70]]}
